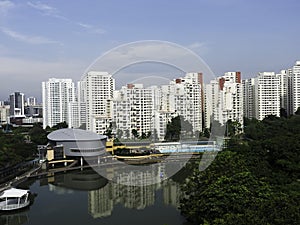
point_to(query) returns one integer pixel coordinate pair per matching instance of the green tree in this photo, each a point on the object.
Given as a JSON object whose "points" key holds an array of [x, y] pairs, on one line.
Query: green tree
{"points": [[15, 149], [60, 125], [38, 135], [283, 112], [177, 127], [204, 134], [173, 129], [148, 134], [108, 131], [143, 136], [135, 133], [254, 181], [233, 128], [117, 142]]}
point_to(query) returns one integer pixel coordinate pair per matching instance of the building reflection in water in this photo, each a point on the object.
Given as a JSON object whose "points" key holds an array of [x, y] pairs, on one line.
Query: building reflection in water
{"points": [[84, 180], [102, 201], [14, 218], [171, 193], [104, 195]]}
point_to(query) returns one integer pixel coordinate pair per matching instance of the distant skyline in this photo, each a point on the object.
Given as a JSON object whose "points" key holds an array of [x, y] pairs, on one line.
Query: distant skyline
{"points": [[44, 39]]}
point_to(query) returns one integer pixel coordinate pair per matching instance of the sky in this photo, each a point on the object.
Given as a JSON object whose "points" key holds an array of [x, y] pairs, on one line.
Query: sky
{"points": [[60, 38]]}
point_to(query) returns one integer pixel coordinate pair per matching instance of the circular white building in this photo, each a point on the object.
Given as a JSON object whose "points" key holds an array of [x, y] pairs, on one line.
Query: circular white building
{"points": [[76, 143]]}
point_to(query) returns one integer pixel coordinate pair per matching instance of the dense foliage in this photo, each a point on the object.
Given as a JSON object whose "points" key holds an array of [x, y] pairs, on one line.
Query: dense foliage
{"points": [[15, 148], [38, 135], [178, 127], [254, 181], [20, 144]]}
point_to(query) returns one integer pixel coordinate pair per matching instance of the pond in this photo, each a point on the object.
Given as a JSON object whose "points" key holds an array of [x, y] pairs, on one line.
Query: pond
{"points": [[85, 197]]}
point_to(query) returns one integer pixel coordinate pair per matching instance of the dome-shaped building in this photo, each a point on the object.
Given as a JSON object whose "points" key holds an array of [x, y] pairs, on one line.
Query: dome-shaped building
{"points": [[76, 143]]}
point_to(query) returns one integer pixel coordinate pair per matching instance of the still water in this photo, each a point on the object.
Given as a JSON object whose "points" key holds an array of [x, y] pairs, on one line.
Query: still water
{"points": [[85, 197]]}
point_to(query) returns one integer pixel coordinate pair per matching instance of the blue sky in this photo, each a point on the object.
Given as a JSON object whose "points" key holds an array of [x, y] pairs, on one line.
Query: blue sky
{"points": [[60, 38]]}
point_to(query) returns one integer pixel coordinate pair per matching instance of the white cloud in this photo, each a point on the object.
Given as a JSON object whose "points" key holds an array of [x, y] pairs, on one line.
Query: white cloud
{"points": [[37, 40], [5, 6], [200, 48], [46, 10], [84, 25], [15, 75], [43, 7], [92, 28], [154, 51], [196, 45], [15, 65]]}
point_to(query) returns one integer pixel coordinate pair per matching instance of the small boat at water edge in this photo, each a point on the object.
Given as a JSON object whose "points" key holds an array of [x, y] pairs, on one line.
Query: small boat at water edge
{"points": [[13, 199]]}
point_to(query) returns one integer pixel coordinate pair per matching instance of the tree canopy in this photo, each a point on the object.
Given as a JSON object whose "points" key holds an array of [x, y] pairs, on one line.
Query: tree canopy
{"points": [[254, 181], [15, 148], [176, 127]]}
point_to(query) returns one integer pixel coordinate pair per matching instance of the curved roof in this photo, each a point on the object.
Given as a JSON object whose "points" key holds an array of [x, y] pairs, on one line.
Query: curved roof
{"points": [[14, 193], [68, 134]]}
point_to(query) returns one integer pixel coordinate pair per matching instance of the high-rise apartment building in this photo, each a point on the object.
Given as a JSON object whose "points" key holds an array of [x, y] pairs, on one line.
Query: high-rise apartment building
{"points": [[17, 104], [164, 109], [188, 99], [73, 115], [81, 104], [267, 96], [96, 94], [290, 110], [284, 93], [4, 113], [150, 109], [248, 98], [31, 101], [224, 99], [182, 97], [295, 86], [133, 110], [211, 101], [33, 109], [57, 96]]}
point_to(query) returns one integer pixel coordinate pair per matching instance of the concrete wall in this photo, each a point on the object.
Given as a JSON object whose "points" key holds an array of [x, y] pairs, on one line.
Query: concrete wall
{"points": [[84, 148]]}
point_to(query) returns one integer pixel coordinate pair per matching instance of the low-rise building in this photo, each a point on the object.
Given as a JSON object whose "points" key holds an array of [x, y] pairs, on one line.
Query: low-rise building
{"points": [[75, 143]]}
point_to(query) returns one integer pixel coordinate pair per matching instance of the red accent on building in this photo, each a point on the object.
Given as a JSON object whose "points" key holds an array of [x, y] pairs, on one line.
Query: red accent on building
{"points": [[130, 86], [221, 83], [178, 81], [200, 81], [238, 77]]}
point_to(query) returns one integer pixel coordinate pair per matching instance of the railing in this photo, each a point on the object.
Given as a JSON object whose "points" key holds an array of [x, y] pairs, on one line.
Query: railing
{"points": [[14, 206]]}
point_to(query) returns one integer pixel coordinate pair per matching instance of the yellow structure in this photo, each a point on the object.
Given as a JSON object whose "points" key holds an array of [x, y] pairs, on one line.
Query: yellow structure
{"points": [[109, 145], [50, 154], [111, 148]]}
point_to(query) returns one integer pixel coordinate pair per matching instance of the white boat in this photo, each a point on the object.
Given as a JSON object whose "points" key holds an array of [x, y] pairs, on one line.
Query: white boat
{"points": [[13, 199]]}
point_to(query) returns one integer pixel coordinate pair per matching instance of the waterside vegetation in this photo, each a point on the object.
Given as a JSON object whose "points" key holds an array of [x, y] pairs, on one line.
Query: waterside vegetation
{"points": [[256, 180]]}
